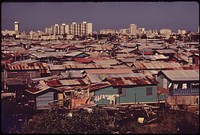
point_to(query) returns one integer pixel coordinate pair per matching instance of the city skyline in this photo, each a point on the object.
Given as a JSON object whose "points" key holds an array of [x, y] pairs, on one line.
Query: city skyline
{"points": [[104, 15]]}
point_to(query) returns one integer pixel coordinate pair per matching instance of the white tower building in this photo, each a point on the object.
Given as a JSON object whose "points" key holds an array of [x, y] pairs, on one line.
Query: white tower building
{"points": [[56, 29], [133, 29], [89, 28], [16, 24], [62, 29]]}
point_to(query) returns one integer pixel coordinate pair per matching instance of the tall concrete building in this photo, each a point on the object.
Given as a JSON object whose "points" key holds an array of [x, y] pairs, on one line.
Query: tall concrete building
{"points": [[81, 29], [16, 25], [62, 29], [73, 28], [67, 29], [56, 29], [89, 28], [133, 29], [85, 28]]}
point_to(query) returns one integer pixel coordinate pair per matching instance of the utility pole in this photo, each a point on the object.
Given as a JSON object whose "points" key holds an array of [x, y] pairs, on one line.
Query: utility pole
{"points": [[135, 98]]}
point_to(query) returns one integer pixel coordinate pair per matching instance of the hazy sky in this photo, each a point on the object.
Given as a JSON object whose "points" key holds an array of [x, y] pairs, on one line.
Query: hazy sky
{"points": [[113, 15]]}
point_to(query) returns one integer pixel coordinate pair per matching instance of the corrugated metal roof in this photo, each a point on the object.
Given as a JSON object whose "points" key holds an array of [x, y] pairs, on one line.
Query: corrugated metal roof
{"points": [[182, 75], [155, 65], [109, 71], [72, 74], [61, 46], [38, 88], [27, 66], [45, 78], [48, 54], [83, 60], [25, 61], [82, 66], [74, 82], [56, 67], [155, 57], [133, 81], [165, 51], [73, 54], [53, 83], [106, 62]]}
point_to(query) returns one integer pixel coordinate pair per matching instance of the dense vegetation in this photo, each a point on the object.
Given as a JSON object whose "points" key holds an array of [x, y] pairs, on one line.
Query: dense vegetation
{"points": [[98, 121], [58, 121]]}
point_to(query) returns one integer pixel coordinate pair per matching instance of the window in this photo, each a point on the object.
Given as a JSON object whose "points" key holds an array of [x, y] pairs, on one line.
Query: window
{"points": [[149, 91], [195, 85], [175, 86], [184, 86]]}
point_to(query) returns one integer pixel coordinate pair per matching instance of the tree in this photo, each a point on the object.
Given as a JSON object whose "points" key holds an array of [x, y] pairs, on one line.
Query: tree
{"points": [[58, 121]]}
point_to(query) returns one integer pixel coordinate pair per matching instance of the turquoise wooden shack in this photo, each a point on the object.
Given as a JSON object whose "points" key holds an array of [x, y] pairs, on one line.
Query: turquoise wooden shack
{"points": [[129, 90]]}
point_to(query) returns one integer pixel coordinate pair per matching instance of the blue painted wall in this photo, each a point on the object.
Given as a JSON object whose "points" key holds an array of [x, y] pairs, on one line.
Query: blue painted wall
{"points": [[128, 96]]}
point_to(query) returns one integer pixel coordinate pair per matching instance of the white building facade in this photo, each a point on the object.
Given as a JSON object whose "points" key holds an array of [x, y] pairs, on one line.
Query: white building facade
{"points": [[133, 29]]}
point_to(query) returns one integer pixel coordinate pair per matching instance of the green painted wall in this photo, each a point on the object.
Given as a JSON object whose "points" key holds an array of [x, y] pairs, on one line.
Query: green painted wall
{"points": [[160, 80], [105, 91], [129, 96]]}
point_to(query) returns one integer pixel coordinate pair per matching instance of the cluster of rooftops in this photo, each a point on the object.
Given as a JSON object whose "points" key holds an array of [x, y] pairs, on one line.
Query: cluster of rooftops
{"points": [[81, 65]]}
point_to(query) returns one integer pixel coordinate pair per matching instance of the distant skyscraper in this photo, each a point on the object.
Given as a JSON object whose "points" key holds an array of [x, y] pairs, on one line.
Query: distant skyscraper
{"points": [[16, 24], [81, 29], [62, 29], [84, 28], [56, 29], [67, 29], [89, 28], [133, 29], [73, 28]]}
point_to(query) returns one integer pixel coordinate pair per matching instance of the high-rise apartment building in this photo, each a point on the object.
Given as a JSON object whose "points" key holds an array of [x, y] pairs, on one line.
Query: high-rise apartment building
{"points": [[62, 29], [89, 28], [73, 28], [133, 29], [80, 29], [66, 29], [16, 25], [56, 29], [83, 28]]}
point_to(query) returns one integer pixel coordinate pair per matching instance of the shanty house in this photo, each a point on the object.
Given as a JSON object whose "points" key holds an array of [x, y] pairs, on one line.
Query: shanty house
{"points": [[41, 95], [182, 85], [128, 90]]}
